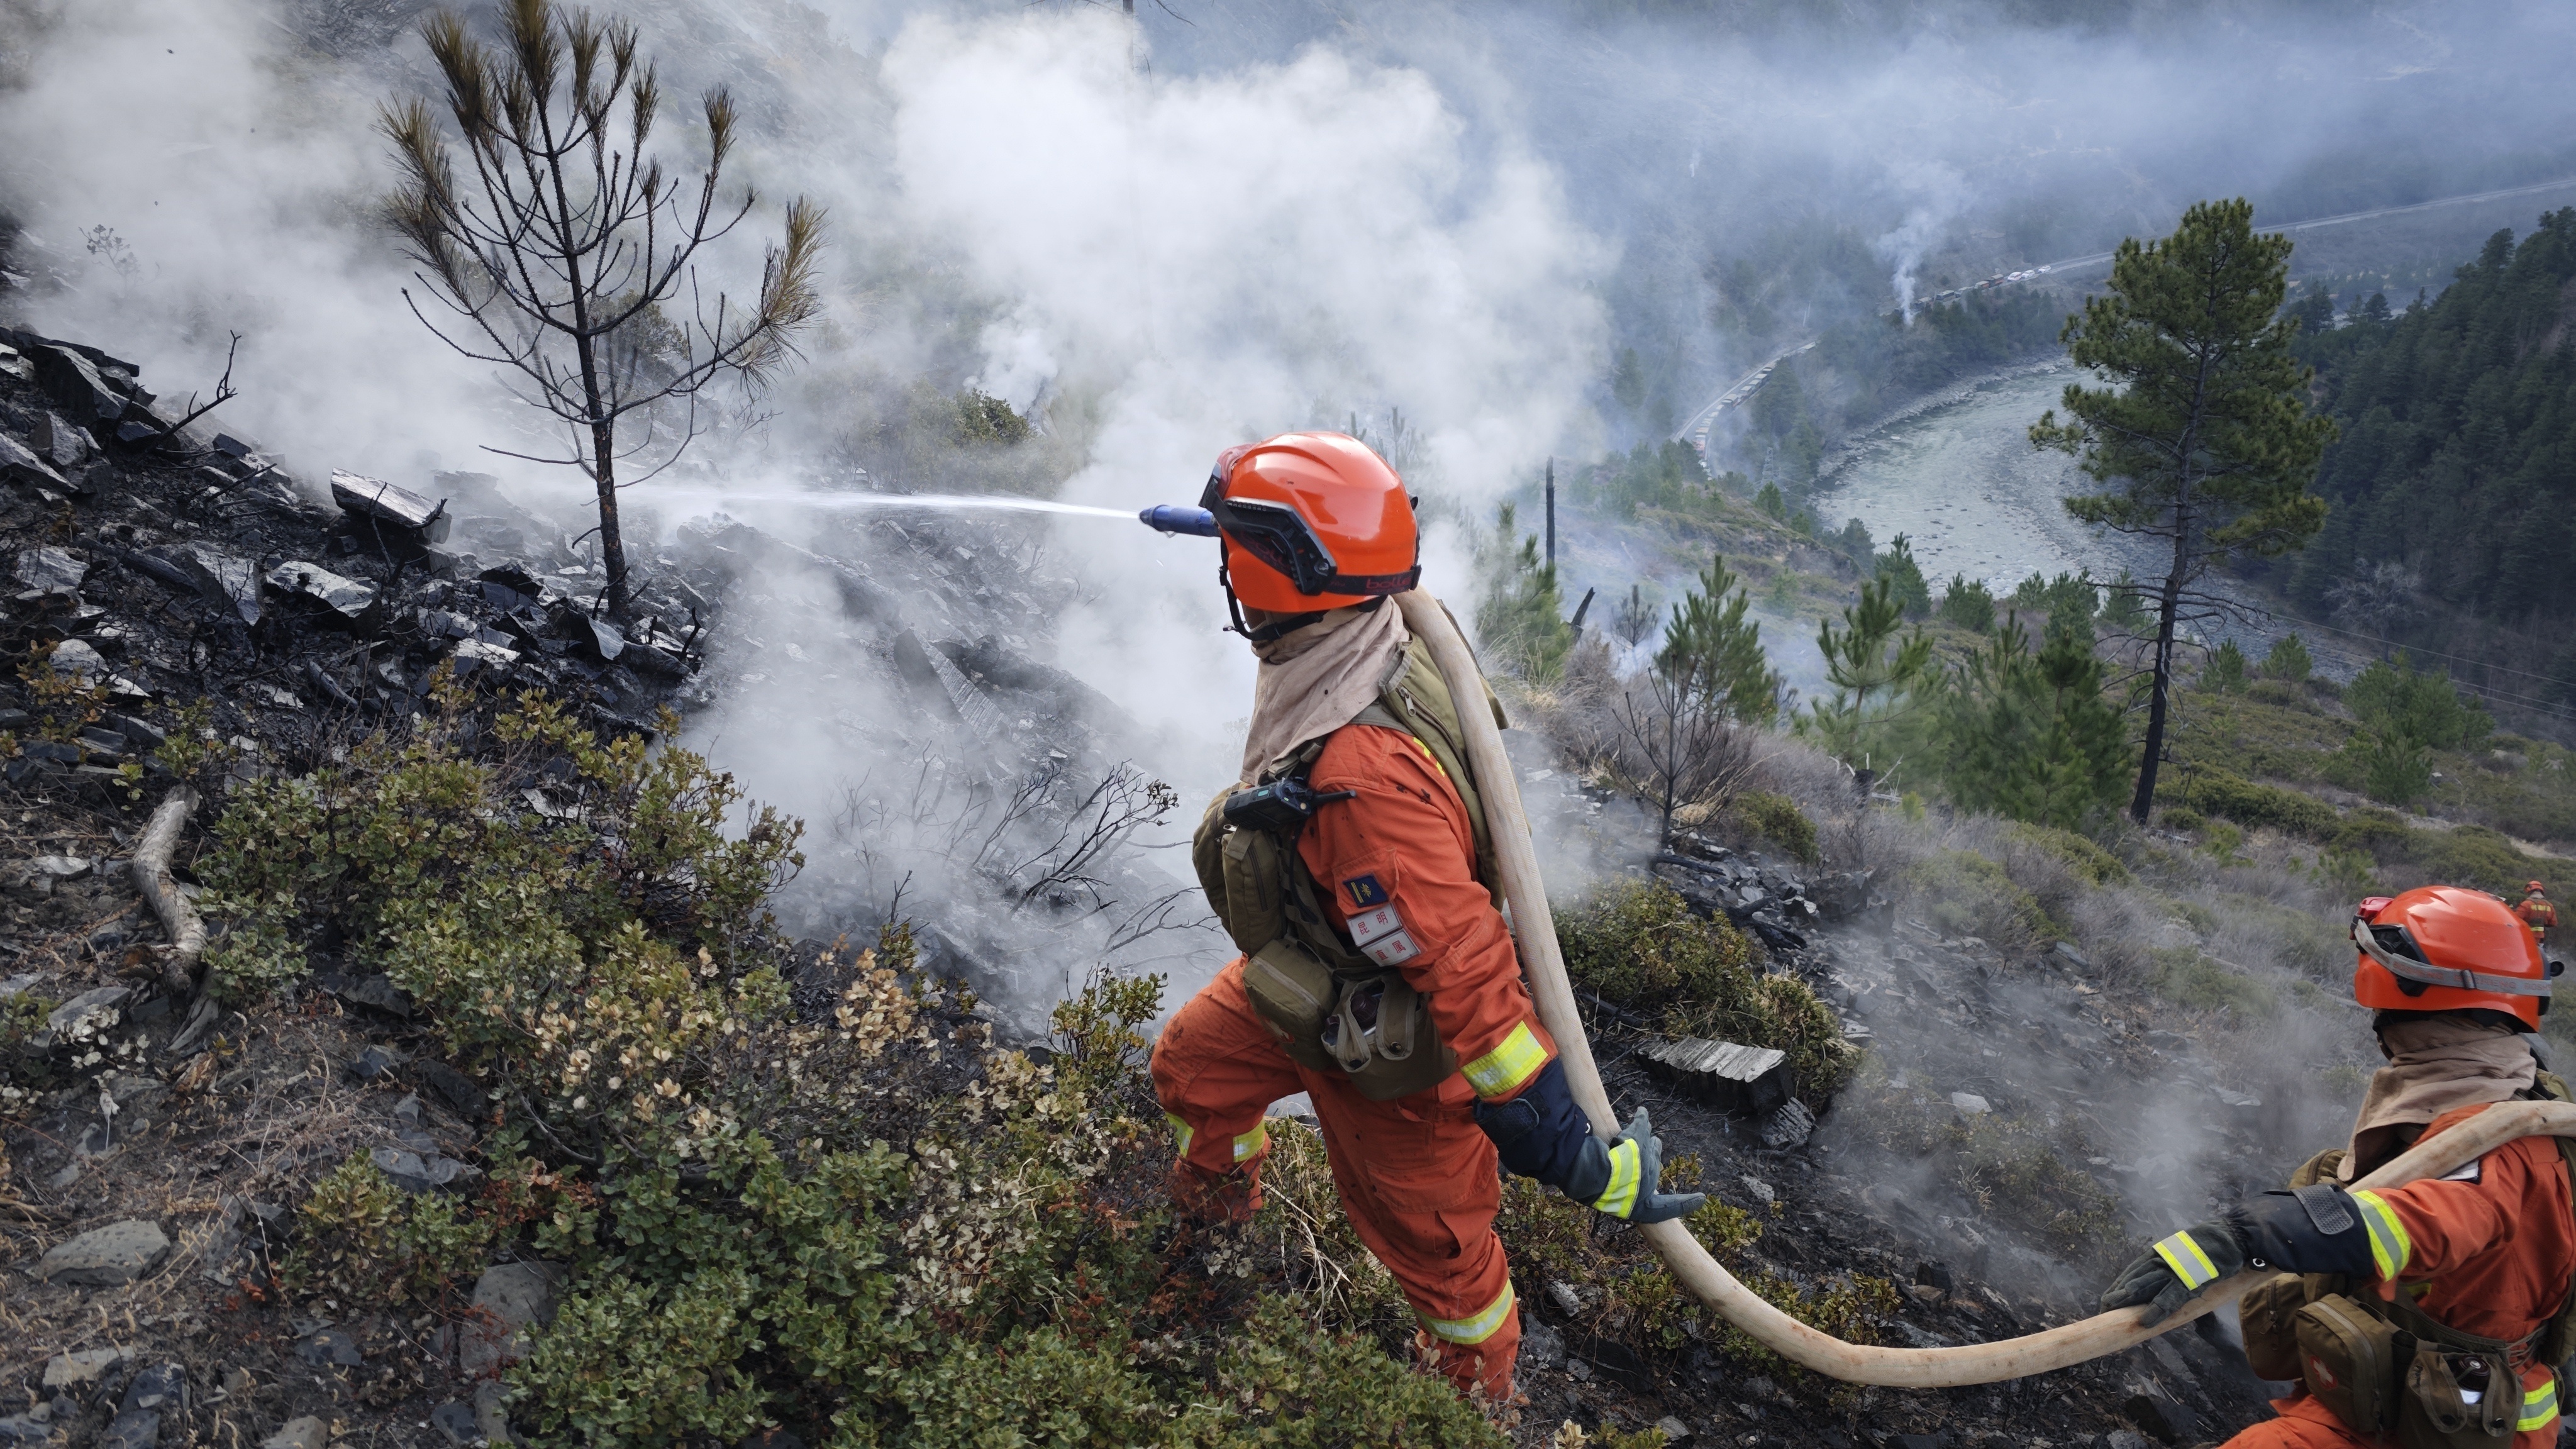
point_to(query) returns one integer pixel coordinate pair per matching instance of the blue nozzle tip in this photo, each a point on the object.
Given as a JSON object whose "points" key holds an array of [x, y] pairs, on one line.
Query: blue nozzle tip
{"points": [[1179, 518]]}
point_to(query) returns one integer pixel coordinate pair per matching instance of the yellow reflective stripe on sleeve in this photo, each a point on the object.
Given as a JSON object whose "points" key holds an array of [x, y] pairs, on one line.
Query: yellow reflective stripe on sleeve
{"points": [[2390, 1248], [1426, 754], [2188, 1261], [1621, 1197], [2539, 1406], [1473, 1330], [1252, 1141], [1507, 1068], [1181, 1130]]}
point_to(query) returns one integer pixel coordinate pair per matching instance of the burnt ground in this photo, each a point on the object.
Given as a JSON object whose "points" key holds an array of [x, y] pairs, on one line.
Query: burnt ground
{"points": [[144, 567]]}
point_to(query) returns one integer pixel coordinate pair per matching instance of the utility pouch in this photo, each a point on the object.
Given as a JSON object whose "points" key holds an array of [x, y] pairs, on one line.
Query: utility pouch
{"points": [[2349, 1358], [2457, 1400], [2269, 1313], [1295, 994], [1380, 1033]]}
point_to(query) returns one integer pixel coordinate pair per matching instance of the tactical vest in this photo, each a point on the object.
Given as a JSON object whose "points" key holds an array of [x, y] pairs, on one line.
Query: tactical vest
{"points": [[2388, 1367], [1332, 1007]]}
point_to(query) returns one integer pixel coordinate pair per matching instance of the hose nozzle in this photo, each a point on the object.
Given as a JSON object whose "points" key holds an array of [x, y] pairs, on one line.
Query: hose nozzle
{"points": [[1179, 518]]}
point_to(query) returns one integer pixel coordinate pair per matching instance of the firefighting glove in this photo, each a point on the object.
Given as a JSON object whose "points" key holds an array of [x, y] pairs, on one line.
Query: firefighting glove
{"points": [[1541, 1134], [2166, 1275]]}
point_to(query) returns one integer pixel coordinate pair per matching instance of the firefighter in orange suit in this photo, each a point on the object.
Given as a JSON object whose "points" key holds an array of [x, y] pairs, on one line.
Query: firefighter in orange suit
{"points": [[2455, 1288], [2536, 912], [1351, 865]]}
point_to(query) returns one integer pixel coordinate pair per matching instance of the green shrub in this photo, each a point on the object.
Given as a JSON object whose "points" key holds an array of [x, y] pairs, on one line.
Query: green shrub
{"points": [[2217, 792], [2185, 977], [1638, 946], [365, 1240], [2473, 856], [1965, 894], [1778, 819], [2090, 861], [2302, 940], [2392, 767], [2180, 817]]}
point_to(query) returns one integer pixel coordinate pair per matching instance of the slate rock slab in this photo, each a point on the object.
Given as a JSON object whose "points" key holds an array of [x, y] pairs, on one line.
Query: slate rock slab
{"points": [[21, 464], [455, 1420], [105, 1257], [162, 1388], [507, 1298], [353, 602], [82, 1366]]}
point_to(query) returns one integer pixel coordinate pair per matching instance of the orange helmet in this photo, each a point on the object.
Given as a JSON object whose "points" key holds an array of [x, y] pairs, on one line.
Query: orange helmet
{"points": [[2442, 948], [2531, 888], [1311, 521]]}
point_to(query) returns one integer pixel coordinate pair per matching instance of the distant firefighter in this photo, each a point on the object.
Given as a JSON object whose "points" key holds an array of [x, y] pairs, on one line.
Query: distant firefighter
{"points": [[2536, 912]]}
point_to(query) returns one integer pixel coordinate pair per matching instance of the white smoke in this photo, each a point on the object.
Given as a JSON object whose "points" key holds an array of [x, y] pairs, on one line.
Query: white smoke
{"points": [[1941, 195]]}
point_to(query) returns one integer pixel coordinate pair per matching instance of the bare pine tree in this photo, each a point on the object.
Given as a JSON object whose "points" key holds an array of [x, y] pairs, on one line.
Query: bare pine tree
{"points": [[560, 239]]}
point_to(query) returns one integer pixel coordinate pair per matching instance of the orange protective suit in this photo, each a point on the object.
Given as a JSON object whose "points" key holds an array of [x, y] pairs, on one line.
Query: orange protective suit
{"points": [[1416, 1174], [2497, 1251], [2535, 911]]}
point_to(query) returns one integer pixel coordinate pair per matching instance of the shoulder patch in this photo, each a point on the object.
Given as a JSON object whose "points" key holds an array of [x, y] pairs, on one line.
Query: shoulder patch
{"points": [[2466, 1172], [1363, 891]]}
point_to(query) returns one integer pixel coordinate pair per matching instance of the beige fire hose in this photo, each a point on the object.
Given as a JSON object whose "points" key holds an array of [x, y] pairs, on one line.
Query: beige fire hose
{"points": [[1913, 1368]]}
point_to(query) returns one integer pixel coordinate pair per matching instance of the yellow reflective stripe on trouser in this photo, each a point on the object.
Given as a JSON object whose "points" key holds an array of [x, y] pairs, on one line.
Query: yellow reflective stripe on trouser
{"points": [[1621, 1196], [2390, 1248], [1252, 1141], [1507, 1068], [2188, 1262], [1473, 1330], [2539, 1406], [1181, 1130]]}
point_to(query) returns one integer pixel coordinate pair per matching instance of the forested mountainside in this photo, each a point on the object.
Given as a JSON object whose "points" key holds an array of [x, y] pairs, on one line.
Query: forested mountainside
{"points": [[2458, 454]]}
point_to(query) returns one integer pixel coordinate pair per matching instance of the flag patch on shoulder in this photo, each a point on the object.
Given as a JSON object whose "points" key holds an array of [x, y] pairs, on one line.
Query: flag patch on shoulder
{"points": [[1363, 891]]}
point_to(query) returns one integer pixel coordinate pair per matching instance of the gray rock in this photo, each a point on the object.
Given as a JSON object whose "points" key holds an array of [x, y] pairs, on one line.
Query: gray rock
{"points": [[507, 1298], [2124, 1439], [73, 382], [82, 1366], [1761, 1190], [63, 444], [413, 1173], [1567, 1300], [329, 1346], [2163, 1419], [89, 1013], [305, 1433], [36, 1426], [162, 1387], [80, 660], [223, 579], [108, 1256], [2067, 952], [353, 602], [137, 1429], [1969, 1104], [491, 1412], [455, 1420], [143, 734], [1788, 1127], [49, 570], [1541, 1346], [377, 993], [376, 501], [1675, 1431]]}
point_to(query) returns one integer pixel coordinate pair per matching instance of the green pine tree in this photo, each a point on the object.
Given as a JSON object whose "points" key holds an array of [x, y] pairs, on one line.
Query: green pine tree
{"points": [[2288, 661], [1905, 577], [1713, 653], [1873, 672], [2225, 671], [2031, 736], [2204, 442]]}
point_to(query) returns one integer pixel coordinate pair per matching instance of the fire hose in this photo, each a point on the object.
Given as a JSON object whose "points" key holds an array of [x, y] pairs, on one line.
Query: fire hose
{"points": [[1913, 1368]]}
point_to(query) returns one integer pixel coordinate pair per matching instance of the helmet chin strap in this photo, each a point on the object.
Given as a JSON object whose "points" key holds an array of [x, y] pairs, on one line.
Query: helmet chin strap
{"points": [[1285, 624]]}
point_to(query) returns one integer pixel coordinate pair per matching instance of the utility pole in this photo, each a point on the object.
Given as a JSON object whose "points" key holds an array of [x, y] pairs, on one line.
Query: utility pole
{"points": [[1551, 511]]}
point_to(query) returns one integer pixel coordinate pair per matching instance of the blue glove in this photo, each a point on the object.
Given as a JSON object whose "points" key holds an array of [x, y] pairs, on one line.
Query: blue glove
{"points": [[1540, 1134]]}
